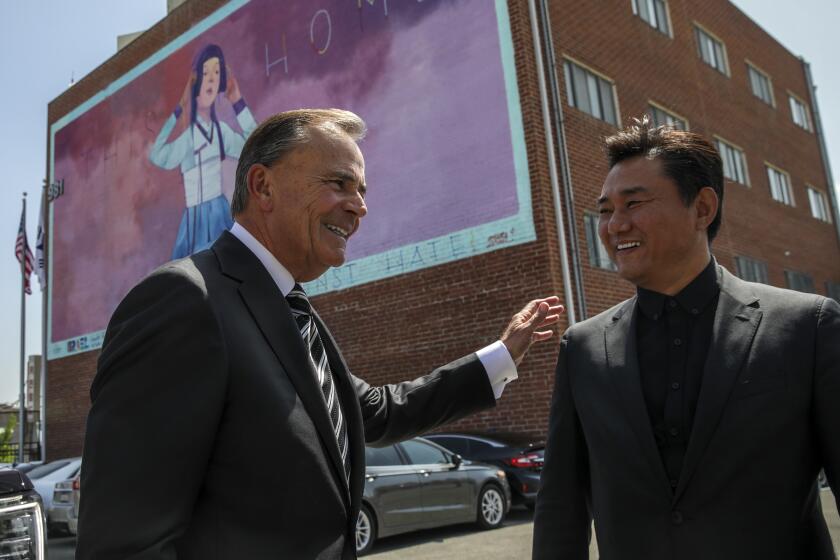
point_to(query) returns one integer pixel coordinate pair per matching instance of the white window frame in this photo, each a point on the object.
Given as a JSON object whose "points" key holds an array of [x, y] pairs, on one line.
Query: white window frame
{"points": [[570, 96], [819, 204], [669, 112], [720, 141], [669, 32], [598, 255], [770, 167], [757, 269], [699, 28], [795, 277], [832, 290], [755, 68], [806, 111]]}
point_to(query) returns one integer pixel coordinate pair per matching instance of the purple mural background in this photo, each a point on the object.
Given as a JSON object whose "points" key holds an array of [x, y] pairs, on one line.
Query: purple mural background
{"points": [[426, 76]]}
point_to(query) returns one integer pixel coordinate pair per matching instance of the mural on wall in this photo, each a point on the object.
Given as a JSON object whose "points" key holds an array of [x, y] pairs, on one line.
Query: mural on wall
{"points": [[148, 163], [199, 150]]}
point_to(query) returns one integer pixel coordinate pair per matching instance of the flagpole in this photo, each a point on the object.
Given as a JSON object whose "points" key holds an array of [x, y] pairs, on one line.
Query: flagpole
{"points": [[45, 213], [21, 419]]}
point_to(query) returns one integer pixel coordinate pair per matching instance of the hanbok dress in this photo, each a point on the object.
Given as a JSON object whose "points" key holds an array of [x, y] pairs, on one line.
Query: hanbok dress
{"points": [[199, 151]]}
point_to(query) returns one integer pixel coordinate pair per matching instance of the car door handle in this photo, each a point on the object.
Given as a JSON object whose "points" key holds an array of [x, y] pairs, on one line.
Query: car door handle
{"points": [[424, 472]]}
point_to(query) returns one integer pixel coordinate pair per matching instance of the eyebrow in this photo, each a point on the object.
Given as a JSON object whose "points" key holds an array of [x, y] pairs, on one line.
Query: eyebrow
{"points": [[625, 192]]}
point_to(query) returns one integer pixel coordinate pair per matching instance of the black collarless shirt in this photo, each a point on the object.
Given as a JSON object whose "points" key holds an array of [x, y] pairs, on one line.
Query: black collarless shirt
{"points": [[673, 334]]}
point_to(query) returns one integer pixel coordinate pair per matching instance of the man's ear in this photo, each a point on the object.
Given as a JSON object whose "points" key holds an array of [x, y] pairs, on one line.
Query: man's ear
{"points": [[706, 206], [260, 189]]}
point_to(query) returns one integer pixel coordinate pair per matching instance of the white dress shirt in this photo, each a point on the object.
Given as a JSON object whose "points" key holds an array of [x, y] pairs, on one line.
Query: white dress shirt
{"points": [[495, 358]]}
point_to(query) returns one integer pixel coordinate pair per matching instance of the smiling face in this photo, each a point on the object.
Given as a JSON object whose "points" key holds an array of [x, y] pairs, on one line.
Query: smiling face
{"points": [[209, 89], [657, 242], [318, 201]]}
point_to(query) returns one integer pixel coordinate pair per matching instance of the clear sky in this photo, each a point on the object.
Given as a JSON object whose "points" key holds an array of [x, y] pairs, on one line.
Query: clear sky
{"points": [[43, 43]]}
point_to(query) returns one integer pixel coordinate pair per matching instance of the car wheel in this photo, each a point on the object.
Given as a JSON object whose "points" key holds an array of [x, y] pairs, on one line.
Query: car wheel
{"points": [[491, 507], [365, 531]]}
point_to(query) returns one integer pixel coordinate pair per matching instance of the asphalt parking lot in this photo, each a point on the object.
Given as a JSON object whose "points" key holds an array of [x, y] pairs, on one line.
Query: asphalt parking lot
{"points": [[464, 542]]}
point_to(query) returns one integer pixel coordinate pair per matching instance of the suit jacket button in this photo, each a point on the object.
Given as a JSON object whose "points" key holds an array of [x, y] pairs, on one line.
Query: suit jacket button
{"points": [[676, 517]]}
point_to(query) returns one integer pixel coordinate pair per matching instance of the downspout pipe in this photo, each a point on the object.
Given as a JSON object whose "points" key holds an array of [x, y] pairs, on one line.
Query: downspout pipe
{"points": [[818, 130], [565, 165], [552, 169]]}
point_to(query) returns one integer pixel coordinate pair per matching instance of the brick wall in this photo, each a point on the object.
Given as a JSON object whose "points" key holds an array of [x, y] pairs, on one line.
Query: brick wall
{"points": [[404, 326]]}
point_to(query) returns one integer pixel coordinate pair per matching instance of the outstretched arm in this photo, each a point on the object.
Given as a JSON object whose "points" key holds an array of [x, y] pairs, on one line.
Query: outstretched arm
{"points": [[399, 411]]}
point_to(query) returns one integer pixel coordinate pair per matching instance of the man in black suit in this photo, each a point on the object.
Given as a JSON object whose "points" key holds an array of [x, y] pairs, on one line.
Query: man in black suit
{"points": [[224, 422], [691, 420]]}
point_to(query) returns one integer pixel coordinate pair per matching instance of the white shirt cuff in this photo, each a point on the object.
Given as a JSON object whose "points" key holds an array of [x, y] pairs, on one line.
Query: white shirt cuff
{"points": [[499, 366]]}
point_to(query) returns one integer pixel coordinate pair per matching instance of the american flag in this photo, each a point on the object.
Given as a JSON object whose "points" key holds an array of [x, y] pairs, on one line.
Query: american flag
{"points": [[22, 252]]}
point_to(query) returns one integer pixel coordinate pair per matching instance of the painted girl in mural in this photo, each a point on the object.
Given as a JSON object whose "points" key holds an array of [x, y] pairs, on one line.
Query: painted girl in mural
{"points": [[200, 149]]}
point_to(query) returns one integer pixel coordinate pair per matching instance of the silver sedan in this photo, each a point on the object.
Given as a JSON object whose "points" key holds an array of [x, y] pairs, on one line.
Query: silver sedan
{"points": [[417, 484]]}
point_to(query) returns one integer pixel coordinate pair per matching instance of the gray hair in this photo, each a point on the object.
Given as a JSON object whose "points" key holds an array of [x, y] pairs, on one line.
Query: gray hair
{"points": [[280, 134]]}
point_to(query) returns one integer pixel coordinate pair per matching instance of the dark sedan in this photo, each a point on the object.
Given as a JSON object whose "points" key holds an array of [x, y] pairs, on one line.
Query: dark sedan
{"points": [[418, 485], [521, 458]]}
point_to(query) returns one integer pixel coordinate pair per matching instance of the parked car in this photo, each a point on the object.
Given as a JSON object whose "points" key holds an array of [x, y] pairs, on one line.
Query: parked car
{"points": [[62, 513], [77, 493], [45, 477], [26, 467], [521, 458], [417, 484], [22, 524]]}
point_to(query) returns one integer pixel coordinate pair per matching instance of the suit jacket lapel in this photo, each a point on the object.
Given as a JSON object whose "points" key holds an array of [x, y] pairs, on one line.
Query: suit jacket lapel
{"points": [[623, 363], [274, 318], [736, 321]]}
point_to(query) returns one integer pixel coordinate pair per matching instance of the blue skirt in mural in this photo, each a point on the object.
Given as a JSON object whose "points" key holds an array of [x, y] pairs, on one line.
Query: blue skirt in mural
{"points": [[201, 225]]}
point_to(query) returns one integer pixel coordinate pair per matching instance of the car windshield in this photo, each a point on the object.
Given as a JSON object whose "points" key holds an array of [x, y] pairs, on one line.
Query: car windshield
{"points": [[44, 470]]}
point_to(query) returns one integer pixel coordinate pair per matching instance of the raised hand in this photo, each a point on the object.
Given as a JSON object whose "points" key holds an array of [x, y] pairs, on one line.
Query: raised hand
{"points": [[232, 91], [522, 331], [186, 98]]}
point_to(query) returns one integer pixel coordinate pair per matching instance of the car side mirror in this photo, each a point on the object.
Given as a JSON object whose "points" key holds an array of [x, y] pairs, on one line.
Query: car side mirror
{"points": [[456, 461]]}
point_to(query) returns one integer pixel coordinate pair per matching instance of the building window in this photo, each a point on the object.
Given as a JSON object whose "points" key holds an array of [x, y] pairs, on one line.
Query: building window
{"points": [[734, 162], [799, 112], [799, 281], [761, 85], [832, 289], [654, 12], [819, 205], [663, 117], [590, 93], [711, 50], [751, 270], [780, 185], [598, 256]]}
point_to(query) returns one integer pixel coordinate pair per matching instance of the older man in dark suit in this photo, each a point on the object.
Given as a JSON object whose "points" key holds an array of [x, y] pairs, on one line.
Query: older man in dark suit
{"points": [[225, 423], [691, 420]]}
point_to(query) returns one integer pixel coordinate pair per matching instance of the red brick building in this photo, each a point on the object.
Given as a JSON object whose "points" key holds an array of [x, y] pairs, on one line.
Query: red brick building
{"points": [[702, 65]]}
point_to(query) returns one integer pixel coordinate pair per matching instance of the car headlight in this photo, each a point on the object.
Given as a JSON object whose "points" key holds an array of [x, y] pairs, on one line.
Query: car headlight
{"points": [[501, 474], [21, 529]]}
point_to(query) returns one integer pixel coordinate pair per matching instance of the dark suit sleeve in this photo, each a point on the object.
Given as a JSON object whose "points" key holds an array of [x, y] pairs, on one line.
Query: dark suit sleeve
{"points": [[562, 520], [400, 411], [827, 390], [157, 400]]}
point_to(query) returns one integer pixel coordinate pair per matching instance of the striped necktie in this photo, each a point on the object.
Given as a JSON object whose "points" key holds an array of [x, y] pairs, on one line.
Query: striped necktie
{"points": [[302, 312]]}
